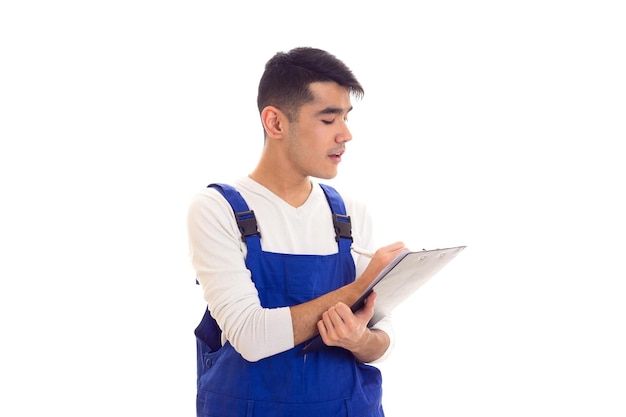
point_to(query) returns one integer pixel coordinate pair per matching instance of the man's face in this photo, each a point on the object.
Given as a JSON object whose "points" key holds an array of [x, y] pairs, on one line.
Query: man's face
{"points": [[317, 138]]}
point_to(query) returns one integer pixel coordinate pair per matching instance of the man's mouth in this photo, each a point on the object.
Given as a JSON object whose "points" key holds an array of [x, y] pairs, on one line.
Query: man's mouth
{"points": [[337, 154]]}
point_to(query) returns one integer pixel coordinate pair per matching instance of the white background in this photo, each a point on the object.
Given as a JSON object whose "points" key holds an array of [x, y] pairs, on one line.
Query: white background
{"points": [[496, 125]]}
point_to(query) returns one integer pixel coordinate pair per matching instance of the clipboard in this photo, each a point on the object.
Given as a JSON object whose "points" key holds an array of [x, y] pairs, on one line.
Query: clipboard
{"points": [[400, 279]]}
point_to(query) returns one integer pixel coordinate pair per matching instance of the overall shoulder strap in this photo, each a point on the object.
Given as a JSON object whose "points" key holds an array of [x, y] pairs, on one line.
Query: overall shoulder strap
{"points": [[341, 221], [246, 221]]}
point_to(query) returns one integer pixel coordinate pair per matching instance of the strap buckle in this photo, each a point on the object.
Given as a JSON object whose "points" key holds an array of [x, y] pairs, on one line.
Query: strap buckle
{"points": [[343, 226], [246, 221]]}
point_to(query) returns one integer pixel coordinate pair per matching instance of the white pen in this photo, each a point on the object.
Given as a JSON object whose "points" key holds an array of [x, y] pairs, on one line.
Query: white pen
{"points": [[362, 251]]}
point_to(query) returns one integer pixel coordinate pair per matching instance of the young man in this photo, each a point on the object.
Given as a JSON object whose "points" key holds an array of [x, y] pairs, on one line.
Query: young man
{"points": [[272, 254]]}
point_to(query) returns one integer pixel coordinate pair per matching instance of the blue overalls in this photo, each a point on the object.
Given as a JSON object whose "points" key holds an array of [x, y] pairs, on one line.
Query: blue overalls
{"points": [[326, 383]]}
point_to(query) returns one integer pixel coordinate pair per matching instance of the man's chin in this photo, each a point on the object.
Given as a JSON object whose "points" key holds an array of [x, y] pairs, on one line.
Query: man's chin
{"points": [[325, 176]]}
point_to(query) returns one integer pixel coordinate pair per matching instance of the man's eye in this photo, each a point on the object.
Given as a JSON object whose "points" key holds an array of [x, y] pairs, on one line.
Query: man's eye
{"points": [[328, 122]]}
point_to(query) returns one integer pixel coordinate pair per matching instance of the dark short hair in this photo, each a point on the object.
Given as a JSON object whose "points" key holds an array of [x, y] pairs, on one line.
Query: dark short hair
{"points": [[287, 76]]}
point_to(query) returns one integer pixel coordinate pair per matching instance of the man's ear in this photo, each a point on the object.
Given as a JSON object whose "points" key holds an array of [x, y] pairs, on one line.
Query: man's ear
{"points": [[274, 122]]}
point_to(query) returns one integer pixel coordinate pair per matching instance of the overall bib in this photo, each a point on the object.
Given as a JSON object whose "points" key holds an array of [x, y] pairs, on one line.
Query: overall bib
{"points": [[326, 383]]}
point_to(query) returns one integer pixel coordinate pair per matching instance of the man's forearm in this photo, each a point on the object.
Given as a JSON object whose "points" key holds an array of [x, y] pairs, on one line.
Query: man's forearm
{"points": [[304, 317], [375, 347]]}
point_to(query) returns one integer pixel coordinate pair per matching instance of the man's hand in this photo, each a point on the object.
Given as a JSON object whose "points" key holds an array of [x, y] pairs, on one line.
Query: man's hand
{"points": [[344, 328], [340, 327], [382, 257]]}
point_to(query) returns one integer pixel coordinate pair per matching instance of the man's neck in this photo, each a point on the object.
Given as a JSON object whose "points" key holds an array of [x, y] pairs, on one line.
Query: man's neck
{"points": [[294, 191]]}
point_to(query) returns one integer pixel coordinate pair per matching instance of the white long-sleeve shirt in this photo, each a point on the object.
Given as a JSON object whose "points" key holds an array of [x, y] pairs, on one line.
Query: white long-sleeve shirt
{"points": [[218, 254]]}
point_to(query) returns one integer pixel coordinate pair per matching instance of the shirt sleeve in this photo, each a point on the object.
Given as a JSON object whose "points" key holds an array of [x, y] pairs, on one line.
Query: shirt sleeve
{"points": [[217, 254]]}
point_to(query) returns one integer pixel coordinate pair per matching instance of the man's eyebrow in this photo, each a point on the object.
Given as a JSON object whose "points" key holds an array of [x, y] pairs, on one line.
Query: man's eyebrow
{"points": [[332, 110]]}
